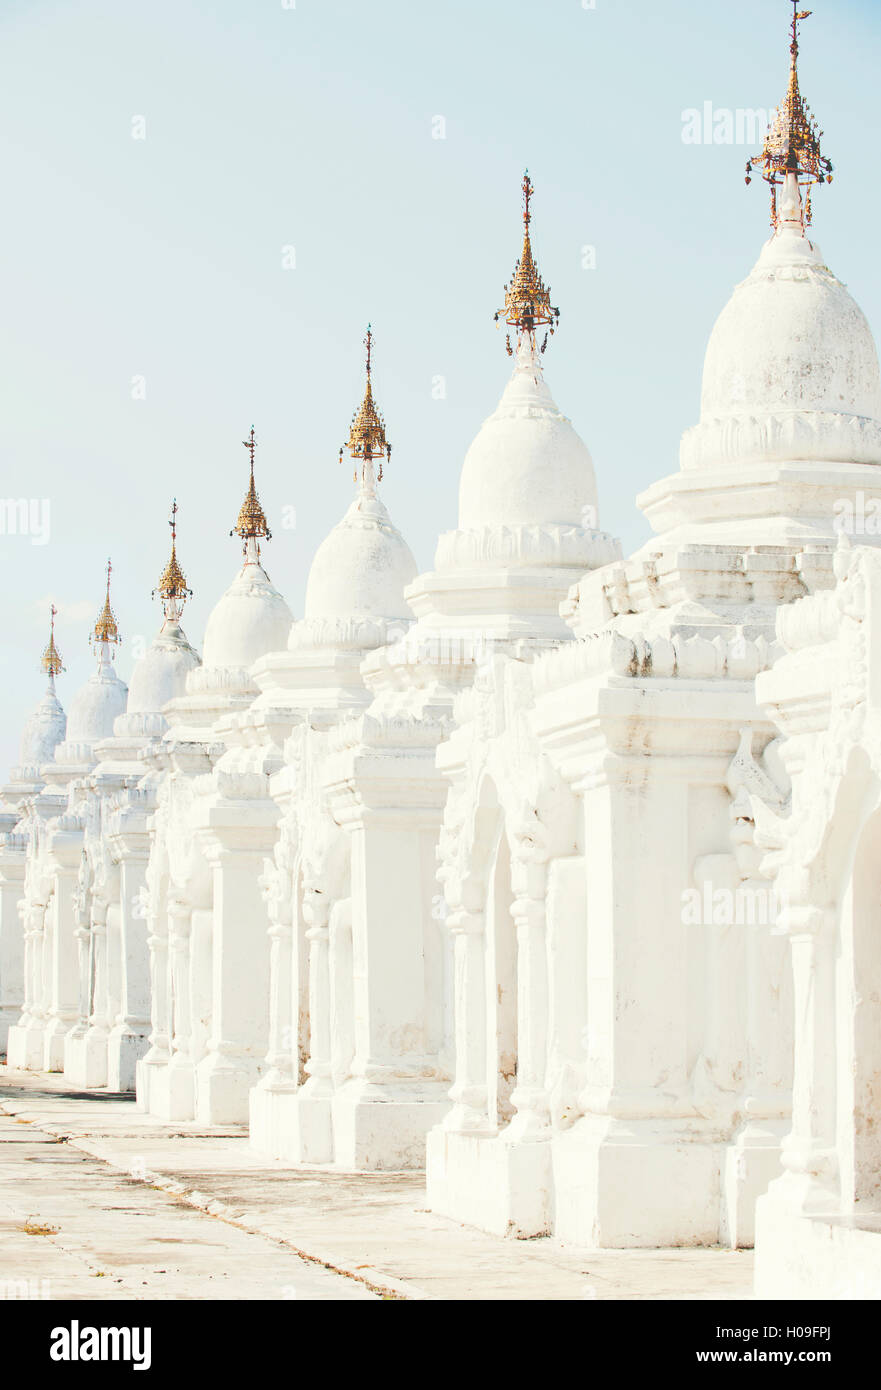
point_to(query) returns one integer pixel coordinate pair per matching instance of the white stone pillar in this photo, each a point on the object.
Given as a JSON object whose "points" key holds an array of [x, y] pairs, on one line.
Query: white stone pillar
{"points": [[128, 1036], [383, 1112], [83, 936], [201, 976], [114, 966], [158, 1054], [25, 1042], [313, 1136], [282, 1021], [272, 1114], [640, 1166], [180, 1103], [342, 991], [529, 1098], [809, 1158], [240, 984], [567, 929], [86, 1059], [63, 972], [12, 966], [469, 1090]]}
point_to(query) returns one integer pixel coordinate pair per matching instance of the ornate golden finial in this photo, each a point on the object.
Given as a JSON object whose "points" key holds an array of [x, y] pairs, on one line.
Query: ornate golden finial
{"points": [[50, 661], [527, 303], [792, 145], [367, 441], [106, 629], [251, 524], [172, 586]]}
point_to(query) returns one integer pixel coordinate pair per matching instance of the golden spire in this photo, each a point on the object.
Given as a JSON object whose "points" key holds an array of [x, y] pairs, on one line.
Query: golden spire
{"points": [[792, 145], [50, 661], [367, 440], [251, 524], [527, 302], [172, 587], [106, 629]]}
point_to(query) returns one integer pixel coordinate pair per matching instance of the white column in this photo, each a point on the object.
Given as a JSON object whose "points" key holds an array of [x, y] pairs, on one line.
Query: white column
{"points": [[529, 1098], [469, 1092], [12, 978], [156, 1059], [128, 1037], [382, 1114], [342, 991], [63, 971], [240, 986], [313, 1137], [809, 1158], [181, 1100]]}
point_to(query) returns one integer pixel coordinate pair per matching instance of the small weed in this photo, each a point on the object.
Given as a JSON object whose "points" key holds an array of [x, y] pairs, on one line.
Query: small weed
{"points": [[33, 1227]]}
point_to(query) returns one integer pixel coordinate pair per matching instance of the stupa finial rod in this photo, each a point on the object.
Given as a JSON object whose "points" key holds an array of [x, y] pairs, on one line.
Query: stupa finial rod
{"points": [[251, 523], [51, 661], [527, 300], [792, 156], [367, 443], [172, 586]]}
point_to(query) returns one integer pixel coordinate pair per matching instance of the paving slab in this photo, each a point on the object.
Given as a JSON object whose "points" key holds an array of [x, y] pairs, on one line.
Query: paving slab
{"points": [[370, 1231]]}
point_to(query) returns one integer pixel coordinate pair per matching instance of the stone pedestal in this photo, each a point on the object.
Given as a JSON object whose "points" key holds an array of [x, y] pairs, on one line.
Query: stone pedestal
{"points": [[498, 1183]]}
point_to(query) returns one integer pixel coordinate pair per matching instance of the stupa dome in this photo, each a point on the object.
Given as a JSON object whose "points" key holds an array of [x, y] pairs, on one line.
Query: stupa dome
{"points": [[527, 466], [161, 673], [44, 730], [791, 338], [250, 619], [362, 567], [95, 706]]}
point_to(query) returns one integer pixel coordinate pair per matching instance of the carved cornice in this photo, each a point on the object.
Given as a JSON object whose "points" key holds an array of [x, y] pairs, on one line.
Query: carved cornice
{"points": [[552, 547], [612, 653], [358, 634], [781, 438]]}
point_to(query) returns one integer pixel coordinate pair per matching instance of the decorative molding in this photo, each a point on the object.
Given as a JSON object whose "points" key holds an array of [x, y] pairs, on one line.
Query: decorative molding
{"points": [[551, 547]]}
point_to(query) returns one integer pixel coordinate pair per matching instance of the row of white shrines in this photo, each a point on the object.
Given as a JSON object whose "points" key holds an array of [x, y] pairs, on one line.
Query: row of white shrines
{"points": [[401, 883]]}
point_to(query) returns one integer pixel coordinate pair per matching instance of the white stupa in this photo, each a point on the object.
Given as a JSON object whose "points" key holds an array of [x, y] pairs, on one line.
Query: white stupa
{"points": [[96, 705], [251, 619], [355, 590], [791, 403], [362, 568], [46, 725], [43, 732], [528, 508], [160, 675]]}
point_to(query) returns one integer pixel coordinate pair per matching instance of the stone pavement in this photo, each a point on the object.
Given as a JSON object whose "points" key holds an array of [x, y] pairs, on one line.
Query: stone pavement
{"points": [[151, 1210]]}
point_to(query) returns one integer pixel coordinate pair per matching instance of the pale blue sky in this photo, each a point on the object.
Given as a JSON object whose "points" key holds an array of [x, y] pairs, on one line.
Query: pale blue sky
{"points": [[311, 127]]}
